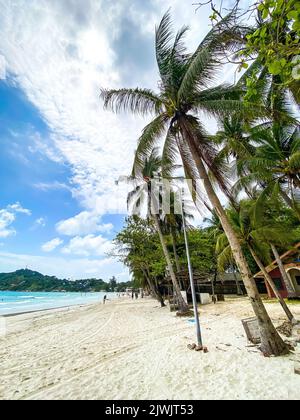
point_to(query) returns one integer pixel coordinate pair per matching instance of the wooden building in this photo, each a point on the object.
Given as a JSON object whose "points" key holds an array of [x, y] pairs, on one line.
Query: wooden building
{"points": [[291, 262]]}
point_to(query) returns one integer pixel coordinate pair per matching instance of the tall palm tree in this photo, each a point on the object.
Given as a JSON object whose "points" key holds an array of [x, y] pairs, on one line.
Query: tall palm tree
{"points": [[185, 91], [143, 191], [133, 247], [173, 224]]}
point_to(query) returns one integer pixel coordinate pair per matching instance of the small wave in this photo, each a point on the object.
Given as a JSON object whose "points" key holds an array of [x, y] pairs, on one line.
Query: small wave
{"points": [[26, 297]]}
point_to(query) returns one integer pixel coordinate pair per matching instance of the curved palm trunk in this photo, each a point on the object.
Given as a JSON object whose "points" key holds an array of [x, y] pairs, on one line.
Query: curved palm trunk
{"points": [[284, 274], [153, 290], [271, 342], [272, 285], [183, 307]]}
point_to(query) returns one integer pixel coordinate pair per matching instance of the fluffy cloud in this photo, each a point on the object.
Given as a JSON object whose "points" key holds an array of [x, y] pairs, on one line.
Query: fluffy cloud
{"points": [[7, 218], [17, 208], [52, 245], [87, 246], [84, 223]]}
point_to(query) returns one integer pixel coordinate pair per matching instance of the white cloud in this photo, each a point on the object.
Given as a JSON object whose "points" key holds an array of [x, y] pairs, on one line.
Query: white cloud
{"points": [[61, 71], [90, 245], [8, 217], [52, 245], [61, 267], [40, 222], [51, 186], [6, 220], [17, 208], [84, 223], [2, 68]]}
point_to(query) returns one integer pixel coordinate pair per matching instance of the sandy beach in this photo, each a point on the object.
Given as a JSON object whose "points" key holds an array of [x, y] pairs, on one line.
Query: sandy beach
{"points": [[136, 350]]}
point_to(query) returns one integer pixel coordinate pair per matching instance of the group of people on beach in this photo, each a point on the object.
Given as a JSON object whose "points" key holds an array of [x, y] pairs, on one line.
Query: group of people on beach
{"points": [[134, 295]]}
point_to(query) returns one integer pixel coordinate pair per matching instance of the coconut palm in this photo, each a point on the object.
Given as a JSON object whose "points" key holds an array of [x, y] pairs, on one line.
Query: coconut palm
{"points": [[133, 247], [143, 192], [185, 91], [172, 223]]}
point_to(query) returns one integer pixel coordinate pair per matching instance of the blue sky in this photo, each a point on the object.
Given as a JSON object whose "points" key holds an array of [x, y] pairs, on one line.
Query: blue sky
{"points": [[61, 153]]}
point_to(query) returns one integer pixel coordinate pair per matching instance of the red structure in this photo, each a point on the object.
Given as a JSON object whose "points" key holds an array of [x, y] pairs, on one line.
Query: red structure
{"points": [[291, 262]]}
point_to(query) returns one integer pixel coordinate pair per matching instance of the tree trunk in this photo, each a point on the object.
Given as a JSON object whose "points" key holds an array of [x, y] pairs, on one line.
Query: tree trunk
{"points": [[284, 274], [154, 291], [175, 251], [238, 286], [272, 285], [183, 307], [271, 342]]}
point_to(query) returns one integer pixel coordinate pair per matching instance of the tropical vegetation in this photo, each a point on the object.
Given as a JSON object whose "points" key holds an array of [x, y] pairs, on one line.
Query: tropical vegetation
{"points": [[253, 159]]}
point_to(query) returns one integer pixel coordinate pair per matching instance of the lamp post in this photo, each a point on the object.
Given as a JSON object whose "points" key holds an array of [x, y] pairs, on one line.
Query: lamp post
{"points": [[191, 275]]}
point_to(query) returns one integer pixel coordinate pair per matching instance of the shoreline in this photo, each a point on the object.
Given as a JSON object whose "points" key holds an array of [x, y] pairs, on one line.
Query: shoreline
{"points": [[128, 349], [47, 310], [64, 306]]}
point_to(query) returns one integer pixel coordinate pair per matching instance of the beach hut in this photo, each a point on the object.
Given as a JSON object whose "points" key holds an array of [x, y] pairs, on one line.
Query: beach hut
{"points": [[291, 263]]}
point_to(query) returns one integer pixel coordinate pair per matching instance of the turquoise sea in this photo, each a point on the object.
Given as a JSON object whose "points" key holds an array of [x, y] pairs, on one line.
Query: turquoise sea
{"points": [[19, 302]]}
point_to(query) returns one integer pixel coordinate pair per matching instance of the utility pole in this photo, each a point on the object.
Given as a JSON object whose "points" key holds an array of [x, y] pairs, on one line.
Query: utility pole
{"points": [[191, 276]]}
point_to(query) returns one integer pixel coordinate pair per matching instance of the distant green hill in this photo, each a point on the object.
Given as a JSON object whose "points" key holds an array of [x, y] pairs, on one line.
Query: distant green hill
{"points": [[32, 281]]}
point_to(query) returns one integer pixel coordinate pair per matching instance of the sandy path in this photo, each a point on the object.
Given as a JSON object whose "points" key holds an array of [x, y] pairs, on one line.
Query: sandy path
{"points": [[136, 350]]}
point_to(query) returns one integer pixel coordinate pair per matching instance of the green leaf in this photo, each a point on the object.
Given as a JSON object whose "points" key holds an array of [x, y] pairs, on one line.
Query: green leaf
{"points": [[296, 25], [292, 15], [275, 68], [265, 13]]}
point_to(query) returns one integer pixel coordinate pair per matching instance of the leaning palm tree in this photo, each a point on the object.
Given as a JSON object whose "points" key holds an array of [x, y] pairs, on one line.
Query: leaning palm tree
{"points": [[143, 192], [185, 91]]}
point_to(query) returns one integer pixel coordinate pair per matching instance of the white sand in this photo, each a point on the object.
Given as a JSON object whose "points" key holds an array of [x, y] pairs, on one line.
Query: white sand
{"points": [[136, 350]]}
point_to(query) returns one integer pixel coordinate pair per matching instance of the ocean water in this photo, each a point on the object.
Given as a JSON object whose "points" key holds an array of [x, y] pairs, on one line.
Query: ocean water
{"points": [[19, 302]]}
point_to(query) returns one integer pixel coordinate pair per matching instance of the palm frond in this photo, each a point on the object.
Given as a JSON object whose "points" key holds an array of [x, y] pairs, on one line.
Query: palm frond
{"points": [[163, 47], [150, 136], [137, 101], [169, 154], [203, 64]]}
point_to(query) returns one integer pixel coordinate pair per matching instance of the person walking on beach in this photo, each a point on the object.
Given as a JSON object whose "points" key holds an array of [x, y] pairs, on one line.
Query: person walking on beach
{"points": [[104, 299]]}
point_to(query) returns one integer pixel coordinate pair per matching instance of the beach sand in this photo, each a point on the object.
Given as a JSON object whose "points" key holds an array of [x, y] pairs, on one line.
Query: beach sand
{"points": [[137, 350]]}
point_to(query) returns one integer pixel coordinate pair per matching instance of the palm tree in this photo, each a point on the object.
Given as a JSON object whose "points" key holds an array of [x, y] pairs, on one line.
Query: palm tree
{"points": [[184, 92], [143, 190], [216, 230], [276, 164], [172, 223], [136, 247], [257, 237]]}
